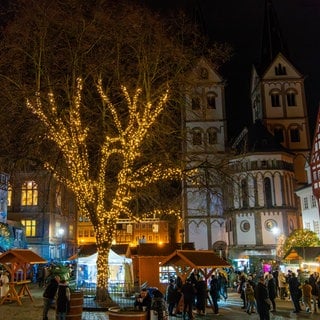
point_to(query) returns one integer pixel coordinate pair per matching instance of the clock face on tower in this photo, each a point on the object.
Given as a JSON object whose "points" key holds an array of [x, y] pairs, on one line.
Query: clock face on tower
{"points": [[245, 226]]}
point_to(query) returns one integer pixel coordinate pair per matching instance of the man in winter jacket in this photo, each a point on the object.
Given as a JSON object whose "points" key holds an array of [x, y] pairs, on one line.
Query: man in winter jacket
{"points": [[49, 294]]}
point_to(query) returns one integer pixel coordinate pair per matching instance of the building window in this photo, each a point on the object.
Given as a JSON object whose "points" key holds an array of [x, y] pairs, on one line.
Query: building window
{"points": [[278, 135], [244, 193], [291, 98], [29, 194], [267, 192], [305, 203], [275, 99], [316, 226], [30, 227], [9, 198], [195, 103], [295, 135], [196, 137], [280, 70], [212, 136], [313, 201], [211, 100]]}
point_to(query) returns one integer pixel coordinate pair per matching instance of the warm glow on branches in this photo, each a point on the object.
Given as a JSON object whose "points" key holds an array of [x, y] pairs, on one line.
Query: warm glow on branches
{"points": [[70, 135]]}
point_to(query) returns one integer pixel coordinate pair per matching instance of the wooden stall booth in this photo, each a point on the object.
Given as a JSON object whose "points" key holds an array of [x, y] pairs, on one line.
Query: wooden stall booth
{"points": [[184, 262], [18, 263]]}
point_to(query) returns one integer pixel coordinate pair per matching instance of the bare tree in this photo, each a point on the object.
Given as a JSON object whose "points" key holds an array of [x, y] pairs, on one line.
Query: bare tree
{"points": [[106, 77]]}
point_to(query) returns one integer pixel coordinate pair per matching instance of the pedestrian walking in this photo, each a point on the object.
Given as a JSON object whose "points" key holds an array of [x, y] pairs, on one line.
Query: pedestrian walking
{"points": [[171, 297], [188, 295], [306, 295], [315, 292], [251, 301], [262, 298], [214, 293], [49, 295], [201, 296], [295, 292], [272, 289], [223, 283], [62, 300]]}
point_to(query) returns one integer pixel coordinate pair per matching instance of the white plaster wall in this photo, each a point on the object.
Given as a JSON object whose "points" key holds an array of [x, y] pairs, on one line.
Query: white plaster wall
{"points": [[246, 238]]}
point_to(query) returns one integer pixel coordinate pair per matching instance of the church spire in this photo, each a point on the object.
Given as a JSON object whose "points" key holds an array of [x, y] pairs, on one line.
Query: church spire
{"points": [[272, 39]]}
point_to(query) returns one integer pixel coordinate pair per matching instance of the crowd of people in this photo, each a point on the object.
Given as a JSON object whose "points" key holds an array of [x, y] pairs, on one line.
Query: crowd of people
{"points": [[259, 294]]}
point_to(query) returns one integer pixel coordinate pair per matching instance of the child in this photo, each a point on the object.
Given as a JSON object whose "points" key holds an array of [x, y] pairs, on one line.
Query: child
{"points": [[251, 302]]}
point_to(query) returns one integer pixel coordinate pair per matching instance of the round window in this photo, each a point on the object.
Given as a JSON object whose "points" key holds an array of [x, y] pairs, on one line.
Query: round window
{"points": [[245, 225], [270, 224]]}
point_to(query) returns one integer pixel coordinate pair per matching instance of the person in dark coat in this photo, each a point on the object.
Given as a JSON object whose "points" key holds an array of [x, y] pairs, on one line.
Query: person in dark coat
{"points": [[295, 292], [201, 296], [272, 289], [214, 293], [62, 300], [143, 300], [171, 297], [262, 300], [49, 295], [188, 293], [158, 305]]}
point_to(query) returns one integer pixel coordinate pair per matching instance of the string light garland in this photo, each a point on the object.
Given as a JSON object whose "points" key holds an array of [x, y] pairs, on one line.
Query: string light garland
{"points": [[70, 135]]}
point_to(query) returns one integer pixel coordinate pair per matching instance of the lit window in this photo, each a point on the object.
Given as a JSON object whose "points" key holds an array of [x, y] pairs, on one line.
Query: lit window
{"points": [[9, 198], [29, 194], [30, 227]]}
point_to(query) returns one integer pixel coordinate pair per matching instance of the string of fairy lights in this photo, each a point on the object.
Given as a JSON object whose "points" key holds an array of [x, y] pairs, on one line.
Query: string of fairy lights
{"points": [[70, 135]]}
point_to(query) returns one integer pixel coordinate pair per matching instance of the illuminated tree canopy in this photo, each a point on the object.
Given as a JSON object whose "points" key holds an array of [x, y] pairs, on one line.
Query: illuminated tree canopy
{"points": [[105, 79], [301, 238]]}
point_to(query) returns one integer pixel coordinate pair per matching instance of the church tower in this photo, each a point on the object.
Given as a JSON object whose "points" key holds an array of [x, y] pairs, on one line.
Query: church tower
{"points": [[278, 94], [205, 132]]}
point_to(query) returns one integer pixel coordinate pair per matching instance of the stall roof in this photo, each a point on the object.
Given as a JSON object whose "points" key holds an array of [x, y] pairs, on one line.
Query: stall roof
{"points": [[195, 259], [303, 253], [21, 256]]}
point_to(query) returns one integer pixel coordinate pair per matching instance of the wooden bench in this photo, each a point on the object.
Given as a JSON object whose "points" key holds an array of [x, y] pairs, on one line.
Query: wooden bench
{"points": [[13, 295]]}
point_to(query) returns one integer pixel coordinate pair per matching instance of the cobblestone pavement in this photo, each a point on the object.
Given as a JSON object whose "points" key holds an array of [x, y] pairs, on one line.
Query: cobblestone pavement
{"points": [[229, 310]]}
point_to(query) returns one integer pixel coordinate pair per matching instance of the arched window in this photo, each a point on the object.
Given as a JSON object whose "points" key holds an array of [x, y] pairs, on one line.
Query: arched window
{"points": [[275, 98], [267, 192], [196, 137], [211, 100], [244, 193], [291, 98], [212, 136], [29, 194], [295, 135]]}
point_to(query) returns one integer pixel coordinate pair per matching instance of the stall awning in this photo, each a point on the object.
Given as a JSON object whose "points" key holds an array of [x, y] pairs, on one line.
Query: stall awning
{"points": [[303, 253], [195, 259], [21, 256]]}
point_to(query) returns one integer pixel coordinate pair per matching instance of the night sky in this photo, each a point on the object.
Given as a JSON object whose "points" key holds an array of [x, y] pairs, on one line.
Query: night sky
{"points": [[240, 23]]}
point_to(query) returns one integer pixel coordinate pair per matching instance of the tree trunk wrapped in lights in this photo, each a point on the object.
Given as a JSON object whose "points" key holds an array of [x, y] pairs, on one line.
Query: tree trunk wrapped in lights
{"points": [[70, 135]]}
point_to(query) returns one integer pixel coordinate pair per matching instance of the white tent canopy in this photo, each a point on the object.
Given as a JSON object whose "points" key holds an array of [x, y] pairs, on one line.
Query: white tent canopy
{"points": [[114, 259]]}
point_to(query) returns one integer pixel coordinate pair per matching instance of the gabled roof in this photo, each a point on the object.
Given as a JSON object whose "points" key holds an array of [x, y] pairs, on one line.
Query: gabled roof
{"points": [[195, 259], [303, 253], [21, 256]]}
